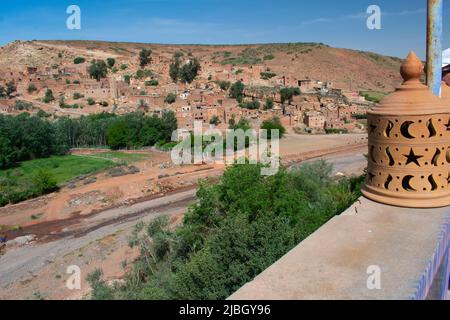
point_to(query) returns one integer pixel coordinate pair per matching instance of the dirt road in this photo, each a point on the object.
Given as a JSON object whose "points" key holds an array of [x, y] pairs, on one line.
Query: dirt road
{"points": [[22, 262]]}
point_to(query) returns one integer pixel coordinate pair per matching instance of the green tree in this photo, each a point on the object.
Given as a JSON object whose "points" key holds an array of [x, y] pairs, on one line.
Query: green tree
{"points": [[118, 135], [170, 98], [10, 89], [237, 91], [110, 62], [273, 124], [215, 120], [287, 94], [174, 70], [98, 69], [31, 88], [144, 57], [44, 181], [189, 71], [48, 96], [269, 104], [224, 85], [79, 60]]}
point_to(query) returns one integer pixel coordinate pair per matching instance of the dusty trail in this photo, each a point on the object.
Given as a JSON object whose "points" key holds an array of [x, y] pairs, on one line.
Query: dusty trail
{"points": [[19, 263]]}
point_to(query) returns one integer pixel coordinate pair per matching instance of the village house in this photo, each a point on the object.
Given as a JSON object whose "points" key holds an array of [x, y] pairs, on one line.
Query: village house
{"points": [[315, 120]]}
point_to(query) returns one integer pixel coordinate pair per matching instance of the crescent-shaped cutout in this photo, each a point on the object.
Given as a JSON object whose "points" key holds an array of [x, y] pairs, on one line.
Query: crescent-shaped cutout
{"points": [[404, 129], [389, 128], [436, 157], [391, 158], [433, 183], [406, 183], [388, 182], [431, 128]]}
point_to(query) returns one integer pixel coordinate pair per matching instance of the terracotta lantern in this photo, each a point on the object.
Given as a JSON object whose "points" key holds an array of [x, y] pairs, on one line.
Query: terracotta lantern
{"points": [[446, 93], [409, 145]]}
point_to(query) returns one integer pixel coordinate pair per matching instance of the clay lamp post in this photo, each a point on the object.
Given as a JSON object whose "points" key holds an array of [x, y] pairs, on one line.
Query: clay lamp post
{"points": [[409, 141]]}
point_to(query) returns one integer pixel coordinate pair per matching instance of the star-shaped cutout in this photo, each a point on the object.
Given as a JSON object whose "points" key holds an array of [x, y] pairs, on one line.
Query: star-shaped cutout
{"points": [[373, 128], [412, 158], [371, 176]]}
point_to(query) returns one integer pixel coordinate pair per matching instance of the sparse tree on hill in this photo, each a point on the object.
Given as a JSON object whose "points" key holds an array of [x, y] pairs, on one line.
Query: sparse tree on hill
{"points": [[10, 89], [145, 57], [273, 124], [269, 104], [237, 91], [189, 71], [79, 60], [215, 120], [98, 69], [224, 85], [31, 88], [111, 62], [48, 96], [171, 97], [174, 70]]}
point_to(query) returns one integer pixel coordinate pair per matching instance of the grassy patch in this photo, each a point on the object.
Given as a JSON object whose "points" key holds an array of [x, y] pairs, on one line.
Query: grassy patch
{"points": [[373, 96], [62, 168], [37, 177], [121, 156]]}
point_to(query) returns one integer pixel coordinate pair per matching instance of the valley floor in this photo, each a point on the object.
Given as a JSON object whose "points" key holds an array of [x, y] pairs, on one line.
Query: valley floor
{"points": [[89, 225]]}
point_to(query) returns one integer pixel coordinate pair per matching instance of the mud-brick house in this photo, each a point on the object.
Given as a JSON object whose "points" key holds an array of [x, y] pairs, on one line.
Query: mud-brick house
{"points": [[6, 107], [315, 120]]}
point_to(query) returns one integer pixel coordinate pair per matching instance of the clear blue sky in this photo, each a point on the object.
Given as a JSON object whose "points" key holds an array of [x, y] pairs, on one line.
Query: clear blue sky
{"points": [[339, 23]]}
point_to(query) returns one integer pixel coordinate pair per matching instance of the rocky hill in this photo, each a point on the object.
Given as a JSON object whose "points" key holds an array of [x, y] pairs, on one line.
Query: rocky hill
{"points": [[347, 69]]}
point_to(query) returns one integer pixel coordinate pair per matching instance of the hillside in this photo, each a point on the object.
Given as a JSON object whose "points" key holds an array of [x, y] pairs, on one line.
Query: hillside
{"points": [[347, 69]]}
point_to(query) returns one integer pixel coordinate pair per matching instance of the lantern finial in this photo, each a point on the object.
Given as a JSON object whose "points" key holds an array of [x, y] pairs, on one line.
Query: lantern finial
{"points": [[412, 68]]}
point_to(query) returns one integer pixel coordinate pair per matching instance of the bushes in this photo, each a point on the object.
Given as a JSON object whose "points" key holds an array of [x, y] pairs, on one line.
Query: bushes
{"points": [[269, 104], [16, 190], [145, 57], [251, 105], [98, 69], [44, 182], [110, 62], [152, 83], [77, 96], [267, 75], [237, 229], [237, 91], [48, 96], [79, 60], [26, 137], [31, 88], [287, 94], [224, 85], [171, 98], [186, 73], [273, 124]]}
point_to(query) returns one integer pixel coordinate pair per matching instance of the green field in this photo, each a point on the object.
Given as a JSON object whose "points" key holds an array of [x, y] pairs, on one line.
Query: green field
{"points": [[62, 168], [120, 156], [36, 177], [373, 96]]}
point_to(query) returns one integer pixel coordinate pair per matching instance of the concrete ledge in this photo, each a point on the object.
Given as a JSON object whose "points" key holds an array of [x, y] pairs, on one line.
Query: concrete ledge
{"points": [[410, 246]]}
